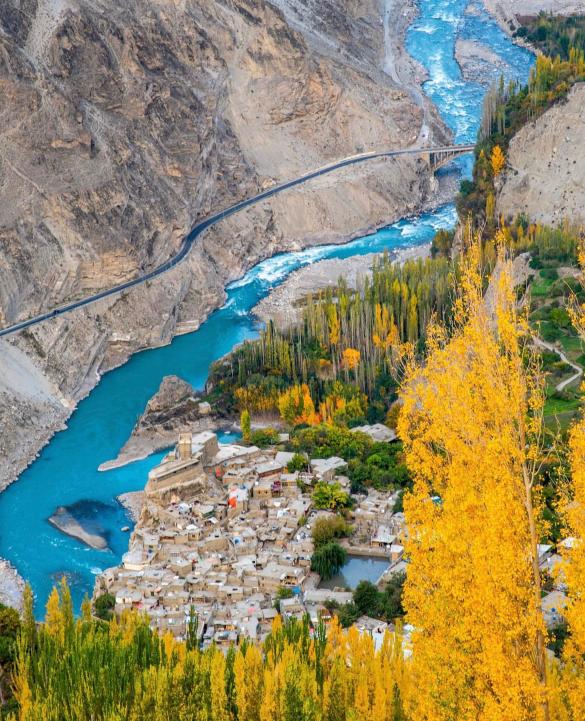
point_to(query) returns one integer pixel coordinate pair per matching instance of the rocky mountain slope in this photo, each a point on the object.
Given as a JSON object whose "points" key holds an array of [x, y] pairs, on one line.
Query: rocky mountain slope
{"points": [[507, 12], [546, 175], [122, 123]]}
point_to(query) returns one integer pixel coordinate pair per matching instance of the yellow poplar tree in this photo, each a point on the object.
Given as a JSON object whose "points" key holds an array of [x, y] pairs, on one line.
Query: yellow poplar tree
{"points": [[53, 616], [219, 700], [269, 710], [471, 423], [296, 406], [385, 333], [498, 160], [574, 576], [490, 207], [573, 680], [351, 358], [334, 326], [248, 676]]}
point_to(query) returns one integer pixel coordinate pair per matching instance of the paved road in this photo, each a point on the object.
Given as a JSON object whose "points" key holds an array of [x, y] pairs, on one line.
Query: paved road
{"points": [[198, 229], [550, 347]]}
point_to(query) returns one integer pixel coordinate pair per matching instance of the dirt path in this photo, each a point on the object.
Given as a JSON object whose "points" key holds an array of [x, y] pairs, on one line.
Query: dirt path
{"points": [[553, 349]]}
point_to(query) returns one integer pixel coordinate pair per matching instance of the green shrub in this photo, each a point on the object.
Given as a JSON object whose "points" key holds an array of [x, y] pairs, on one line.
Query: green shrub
{"points": [[347, 614], [367, 598], [549, 274], [297, 463], [560, 318], [264, 437], [330, 496], [327, 529], [103, 606]]}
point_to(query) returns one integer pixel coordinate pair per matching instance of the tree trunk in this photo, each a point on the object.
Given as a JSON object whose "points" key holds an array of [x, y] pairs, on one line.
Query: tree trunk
{"points": [[540, 645]]}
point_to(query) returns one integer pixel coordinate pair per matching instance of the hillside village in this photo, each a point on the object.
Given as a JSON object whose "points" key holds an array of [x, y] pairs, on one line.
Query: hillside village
{"points": [[225, 534], [225, 527]]}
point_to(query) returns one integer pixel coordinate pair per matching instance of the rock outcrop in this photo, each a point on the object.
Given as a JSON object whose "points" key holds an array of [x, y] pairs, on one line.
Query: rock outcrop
{"points": [[478, 63], [125, 122], [11, 586], [172, 409], [65, 520], [546, 174]]}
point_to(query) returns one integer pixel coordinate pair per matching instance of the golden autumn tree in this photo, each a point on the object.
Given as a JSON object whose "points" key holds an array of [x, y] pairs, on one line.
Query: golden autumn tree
{"points": [[245, 424], [54, 617], [471, 423], [573, 681], [333, 325], [385, 334], [219, 699], [248, 676], [573, 508], [351, 358], [497, 160], [490, 207], [296, 406]]}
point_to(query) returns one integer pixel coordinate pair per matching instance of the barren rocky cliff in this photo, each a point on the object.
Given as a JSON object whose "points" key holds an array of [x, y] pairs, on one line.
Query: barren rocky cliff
{"points": [[545, 177], [123, 123]]}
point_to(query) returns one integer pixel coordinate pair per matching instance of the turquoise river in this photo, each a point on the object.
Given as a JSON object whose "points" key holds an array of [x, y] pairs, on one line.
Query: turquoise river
{"points": [[66, 470]]}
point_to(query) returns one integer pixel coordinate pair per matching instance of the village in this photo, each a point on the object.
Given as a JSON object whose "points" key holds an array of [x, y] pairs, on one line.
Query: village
{"points": [[225, 533]]}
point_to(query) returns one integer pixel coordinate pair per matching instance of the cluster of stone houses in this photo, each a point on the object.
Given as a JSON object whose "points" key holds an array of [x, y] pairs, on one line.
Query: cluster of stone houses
{"points": [[224, 528]]}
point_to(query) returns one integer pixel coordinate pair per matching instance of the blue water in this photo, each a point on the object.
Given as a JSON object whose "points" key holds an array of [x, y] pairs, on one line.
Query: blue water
{"points": [[66, 471], [357, 569]]}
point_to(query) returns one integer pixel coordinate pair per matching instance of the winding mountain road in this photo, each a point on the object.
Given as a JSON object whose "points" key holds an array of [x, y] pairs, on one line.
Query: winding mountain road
{"points": [[553, 349], [199, 228]]}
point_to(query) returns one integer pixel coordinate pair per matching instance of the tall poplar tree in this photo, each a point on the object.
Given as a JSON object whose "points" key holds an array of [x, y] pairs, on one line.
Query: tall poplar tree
{"points": [[573, 681], [472, 424]]}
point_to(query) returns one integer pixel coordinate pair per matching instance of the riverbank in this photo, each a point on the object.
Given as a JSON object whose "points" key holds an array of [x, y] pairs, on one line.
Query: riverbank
{"points": [[321, 214], [283, 305], [174, 407], [11, 586], [132, 502], [334, 77]]}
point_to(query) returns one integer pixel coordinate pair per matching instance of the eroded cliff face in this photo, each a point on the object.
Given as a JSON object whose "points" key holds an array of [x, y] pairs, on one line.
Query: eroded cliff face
{"points": [[546, 176], [122, 123]]}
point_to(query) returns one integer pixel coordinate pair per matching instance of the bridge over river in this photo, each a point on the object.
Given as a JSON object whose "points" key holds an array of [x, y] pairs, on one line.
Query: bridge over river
{"points": [[435, 156]]}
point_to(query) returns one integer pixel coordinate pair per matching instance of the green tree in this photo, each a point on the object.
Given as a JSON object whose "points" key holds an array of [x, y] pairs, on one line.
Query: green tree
{"points": [[367, 598], [348, 614], [330, 496], [328, 528], [192, 626], [297, 463], [9, 631], [328, 560], [392, 596], [104, 606], [246, 425]]}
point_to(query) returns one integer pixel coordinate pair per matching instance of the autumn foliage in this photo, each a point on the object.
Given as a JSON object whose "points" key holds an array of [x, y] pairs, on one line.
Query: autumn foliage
{"points": [[77, 670], [497, 160], [472, 426], [296, 406]]}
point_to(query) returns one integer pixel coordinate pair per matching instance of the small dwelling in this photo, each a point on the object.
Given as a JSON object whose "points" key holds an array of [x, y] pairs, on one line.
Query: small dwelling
{"points": [[326, 468], [553, 605], [383, 537]]}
